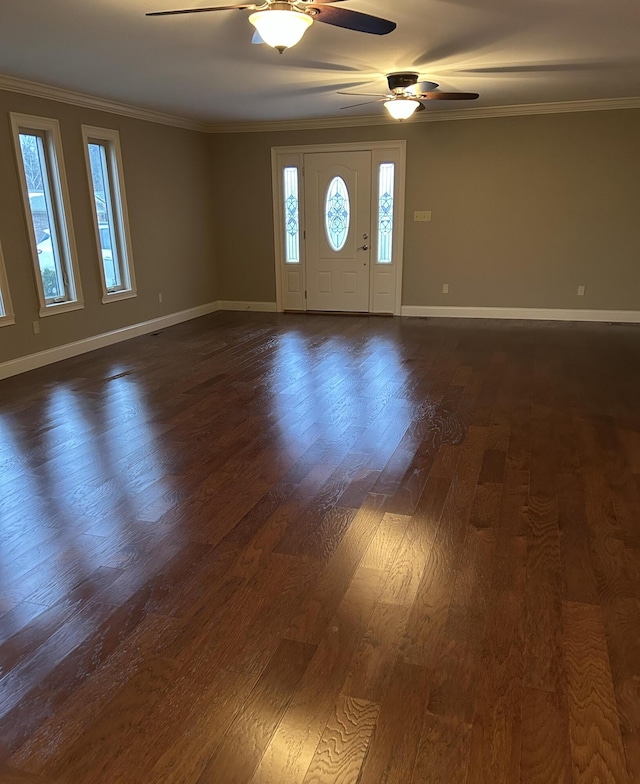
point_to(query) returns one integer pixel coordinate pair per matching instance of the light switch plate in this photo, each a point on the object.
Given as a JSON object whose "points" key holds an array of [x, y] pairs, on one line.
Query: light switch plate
{"points": [[422, 216]]}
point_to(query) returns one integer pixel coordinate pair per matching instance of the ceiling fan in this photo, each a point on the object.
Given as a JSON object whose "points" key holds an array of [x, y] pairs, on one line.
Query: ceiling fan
{"points": [[405, 95], [282, 24]]}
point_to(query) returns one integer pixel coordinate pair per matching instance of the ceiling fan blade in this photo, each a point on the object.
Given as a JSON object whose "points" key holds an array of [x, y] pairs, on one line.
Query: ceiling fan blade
{"points": [[426, 87], [449, 96], [245, 7], [353, 20], [324, 65], [370, 95], [366, 103]]}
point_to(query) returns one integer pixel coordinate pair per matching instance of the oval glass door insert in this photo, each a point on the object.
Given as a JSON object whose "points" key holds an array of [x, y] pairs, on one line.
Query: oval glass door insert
{"points": [[337, 213]]}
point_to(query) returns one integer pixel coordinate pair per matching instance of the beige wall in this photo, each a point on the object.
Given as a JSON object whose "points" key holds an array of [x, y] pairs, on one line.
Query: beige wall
{"points": [[168, 184], [525, 209]]}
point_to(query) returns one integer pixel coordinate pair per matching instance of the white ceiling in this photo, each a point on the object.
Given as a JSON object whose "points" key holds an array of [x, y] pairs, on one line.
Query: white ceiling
{"points": [[204, 67]]}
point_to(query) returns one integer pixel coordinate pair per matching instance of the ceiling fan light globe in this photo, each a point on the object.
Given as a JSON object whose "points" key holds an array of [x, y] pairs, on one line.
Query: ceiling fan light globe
{"points": [[401, 108], [281, 29]]}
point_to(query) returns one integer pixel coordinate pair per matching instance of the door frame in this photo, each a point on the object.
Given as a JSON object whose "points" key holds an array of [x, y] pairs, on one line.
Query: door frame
{"points": [[394, 151]]}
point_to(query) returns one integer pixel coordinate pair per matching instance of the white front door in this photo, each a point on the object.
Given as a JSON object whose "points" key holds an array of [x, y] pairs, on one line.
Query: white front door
{"points": [[338, 230]]}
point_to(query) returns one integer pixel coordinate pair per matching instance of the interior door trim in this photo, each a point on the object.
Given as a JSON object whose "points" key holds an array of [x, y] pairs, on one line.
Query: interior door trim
{"points": [[392, 151]]}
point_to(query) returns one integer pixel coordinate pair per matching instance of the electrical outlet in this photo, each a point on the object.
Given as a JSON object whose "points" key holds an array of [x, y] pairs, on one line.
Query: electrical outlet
{"points": [[422, 216], [581, 290], [36, 327], [160, 297], [445, 288]]}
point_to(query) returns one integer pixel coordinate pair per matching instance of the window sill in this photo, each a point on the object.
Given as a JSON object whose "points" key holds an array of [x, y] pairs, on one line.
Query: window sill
{"points": [[7, 321], [63, 307], [118, 295]]}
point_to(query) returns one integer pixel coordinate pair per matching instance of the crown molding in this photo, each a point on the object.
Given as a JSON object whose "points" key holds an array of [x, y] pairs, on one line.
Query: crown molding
{"points": [[440, 115], [49, 92]]}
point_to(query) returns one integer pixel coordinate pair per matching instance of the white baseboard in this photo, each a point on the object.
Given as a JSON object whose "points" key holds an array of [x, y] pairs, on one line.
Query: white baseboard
{"points": [[258, 307], [32, 361], [533, 314], [48, 357]]}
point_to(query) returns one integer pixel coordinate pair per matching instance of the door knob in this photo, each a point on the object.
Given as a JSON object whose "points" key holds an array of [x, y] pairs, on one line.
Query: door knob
{"points": [[363, 247]]}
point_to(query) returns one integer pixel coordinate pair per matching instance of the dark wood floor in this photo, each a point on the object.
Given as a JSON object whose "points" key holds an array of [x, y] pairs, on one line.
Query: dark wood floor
{"points": [[261, 549]]}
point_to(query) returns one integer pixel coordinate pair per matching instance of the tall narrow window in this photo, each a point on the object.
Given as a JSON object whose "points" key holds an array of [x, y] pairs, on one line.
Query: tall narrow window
{"points": [[385, 213], [104, 168], [46, 199], [6, 311], [291, 215]]}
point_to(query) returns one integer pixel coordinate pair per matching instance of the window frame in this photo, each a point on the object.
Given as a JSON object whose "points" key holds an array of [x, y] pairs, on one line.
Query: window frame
{"points": [[109, 138], [7, 316], [54, 167]]}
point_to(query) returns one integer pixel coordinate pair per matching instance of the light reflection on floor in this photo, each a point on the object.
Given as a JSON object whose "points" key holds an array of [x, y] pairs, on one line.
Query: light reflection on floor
{"points": [[344, 386], [60, 519]]}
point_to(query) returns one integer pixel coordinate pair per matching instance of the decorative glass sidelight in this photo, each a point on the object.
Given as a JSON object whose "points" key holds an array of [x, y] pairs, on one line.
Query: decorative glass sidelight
{"points": [[337, 213], [385, 213], [291, 215]]}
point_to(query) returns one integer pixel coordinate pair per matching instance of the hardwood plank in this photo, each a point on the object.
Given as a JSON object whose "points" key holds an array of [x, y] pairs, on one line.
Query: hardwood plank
{"points": [[39, 682], [545, 751], [514, 512], [492, 470], [321, 603], [58, 732], [268, 536], [344, 743], [543, 599], [612, 568], [186, 755], [12, 776], [244, 743], [292, 747], [579, 584], [487, 505], [393, 753], [496, 734], [423, 637], [287, 579], [596, 743], [384, 545], [116, 724], [373, 661], [622, 626], [443, 755], [632, 751], [455, 677], [405, 571]]}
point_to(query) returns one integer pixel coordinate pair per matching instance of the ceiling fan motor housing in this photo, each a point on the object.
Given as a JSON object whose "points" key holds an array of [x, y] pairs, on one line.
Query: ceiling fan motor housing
{"points": [[398, 82]]}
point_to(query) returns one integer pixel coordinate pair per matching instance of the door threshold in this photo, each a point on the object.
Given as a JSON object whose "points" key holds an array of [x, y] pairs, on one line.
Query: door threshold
{"points": [[345, 313]]}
